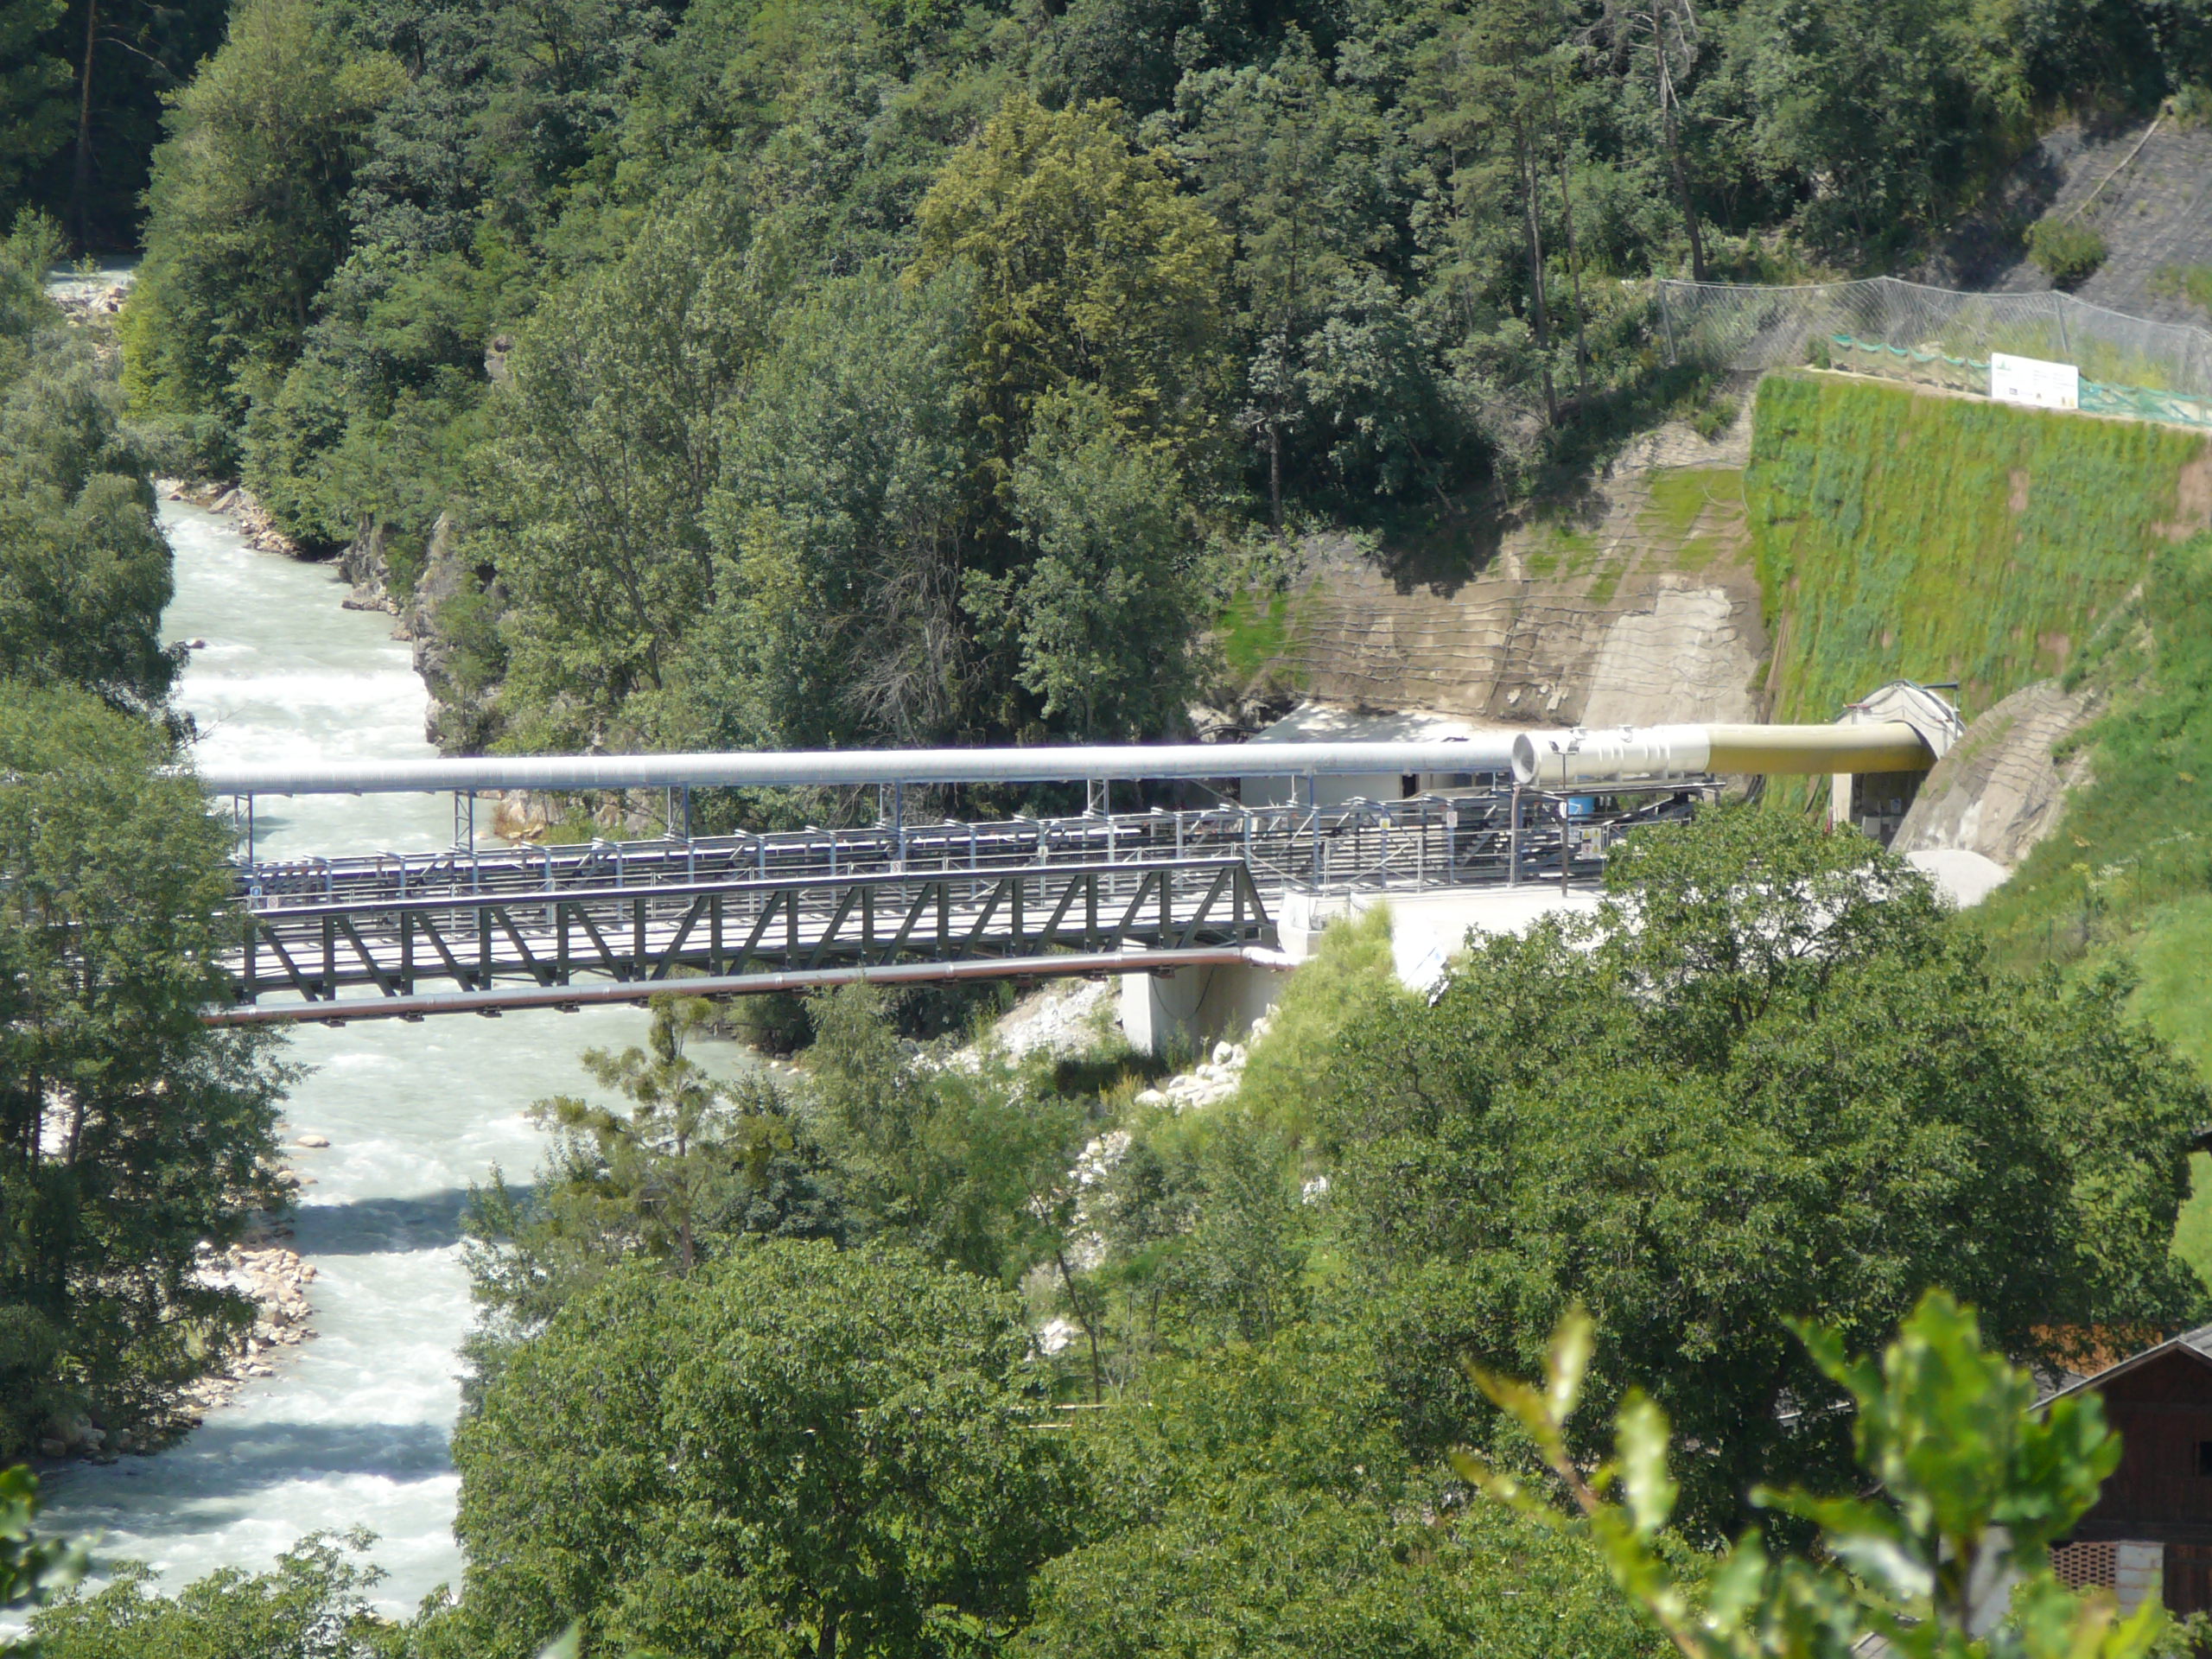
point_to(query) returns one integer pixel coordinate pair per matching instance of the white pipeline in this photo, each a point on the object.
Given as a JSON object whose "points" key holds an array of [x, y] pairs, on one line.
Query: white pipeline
{"points": [[1490, 751]]}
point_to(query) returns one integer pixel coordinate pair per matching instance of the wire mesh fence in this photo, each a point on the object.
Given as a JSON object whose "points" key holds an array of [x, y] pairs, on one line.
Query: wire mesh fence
{"points": [[2129, 366]]}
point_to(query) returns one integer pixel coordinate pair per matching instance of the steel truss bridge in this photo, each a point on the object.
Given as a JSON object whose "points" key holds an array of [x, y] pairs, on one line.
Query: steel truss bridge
{"points": [[486, 930]]}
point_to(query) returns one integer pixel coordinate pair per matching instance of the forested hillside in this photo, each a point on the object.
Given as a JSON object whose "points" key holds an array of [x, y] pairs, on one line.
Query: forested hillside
{"points": [[951, 362], [81, 89]]}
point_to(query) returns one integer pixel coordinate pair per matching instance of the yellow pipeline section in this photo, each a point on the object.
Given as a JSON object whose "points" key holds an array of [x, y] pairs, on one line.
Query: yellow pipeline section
{"points": [[1579, 757], [1888, 745]]}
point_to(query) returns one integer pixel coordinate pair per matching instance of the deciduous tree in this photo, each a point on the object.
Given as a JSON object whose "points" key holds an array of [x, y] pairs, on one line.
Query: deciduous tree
{"points": [[1091, 269], [130, 1133], [1767, 1081], [796, 1451], [247, 215], [1100, 616]]}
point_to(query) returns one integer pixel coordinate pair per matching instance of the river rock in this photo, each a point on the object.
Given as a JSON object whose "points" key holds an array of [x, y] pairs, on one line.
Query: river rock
{"points": [[313, 1142], [519, 814], [274, 1278], [256, 526]]}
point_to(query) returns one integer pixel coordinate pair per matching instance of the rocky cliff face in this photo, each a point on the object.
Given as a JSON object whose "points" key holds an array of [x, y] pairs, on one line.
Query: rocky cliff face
{"points": [[1640, 607], [366, 569], [459, 717]]}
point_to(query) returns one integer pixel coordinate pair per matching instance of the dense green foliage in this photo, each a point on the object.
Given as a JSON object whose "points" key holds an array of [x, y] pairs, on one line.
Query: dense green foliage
{"points": [[311, 1606], [693, 1162], [1962, 1486], [795, 1449], [1265, 1508], [84, 574], [32, 1569], [1061, 1371], [129, 1132], [796, 374], [2069, 251], [963, 1165], [81, 85], [131, 1137], [1767, 1080]]}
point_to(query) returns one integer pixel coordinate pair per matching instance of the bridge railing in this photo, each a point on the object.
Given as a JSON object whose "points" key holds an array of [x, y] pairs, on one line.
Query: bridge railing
{"points": [[1454, 839]]}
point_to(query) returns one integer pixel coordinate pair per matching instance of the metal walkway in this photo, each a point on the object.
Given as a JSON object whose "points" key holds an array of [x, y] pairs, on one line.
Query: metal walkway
{"points": [[481, 930]]}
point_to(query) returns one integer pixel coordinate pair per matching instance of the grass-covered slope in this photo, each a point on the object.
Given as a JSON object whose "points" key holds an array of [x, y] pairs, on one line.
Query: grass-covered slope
{"points": [[2130, 869], [1937, 539], [1906, 535]]}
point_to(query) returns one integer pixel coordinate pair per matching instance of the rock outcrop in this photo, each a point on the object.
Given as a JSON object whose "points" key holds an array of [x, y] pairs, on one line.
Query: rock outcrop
{"points": [[459, 717], [256, 528], [2002, 788], [367, 570]]}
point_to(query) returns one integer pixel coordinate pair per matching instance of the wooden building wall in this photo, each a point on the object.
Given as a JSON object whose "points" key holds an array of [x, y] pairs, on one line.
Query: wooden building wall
{"points": [[2162, 1491]]}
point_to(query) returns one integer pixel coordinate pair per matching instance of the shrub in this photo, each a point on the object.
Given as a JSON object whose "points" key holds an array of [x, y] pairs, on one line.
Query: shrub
{"points": [[2069, 251]]}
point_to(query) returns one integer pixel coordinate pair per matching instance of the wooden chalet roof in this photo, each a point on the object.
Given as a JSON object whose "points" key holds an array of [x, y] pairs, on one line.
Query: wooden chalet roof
{"points": [[2194, 1347]]}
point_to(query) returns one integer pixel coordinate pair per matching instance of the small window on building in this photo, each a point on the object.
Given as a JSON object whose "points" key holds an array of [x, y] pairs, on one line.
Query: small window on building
{"points": [[2204, 1457], [1409, 786]]}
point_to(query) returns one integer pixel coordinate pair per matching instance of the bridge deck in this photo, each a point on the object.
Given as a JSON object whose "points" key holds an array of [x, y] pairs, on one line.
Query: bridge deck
{"points": [[817, 902]]}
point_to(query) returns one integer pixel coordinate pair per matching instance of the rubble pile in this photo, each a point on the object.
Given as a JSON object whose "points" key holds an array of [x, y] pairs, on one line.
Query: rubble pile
{"points": [[1213, 1080]]}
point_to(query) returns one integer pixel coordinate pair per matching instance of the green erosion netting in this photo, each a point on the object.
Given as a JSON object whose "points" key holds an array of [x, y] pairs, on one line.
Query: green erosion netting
{"points": [[2130, 366], [1900, 536]]}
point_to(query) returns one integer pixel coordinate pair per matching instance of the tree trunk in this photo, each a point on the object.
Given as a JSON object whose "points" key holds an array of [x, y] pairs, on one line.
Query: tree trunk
{"points": [[1574, 271], [1275, 473], [1075, 1301], [1540, 315], [1674, 141], [80, 172]]}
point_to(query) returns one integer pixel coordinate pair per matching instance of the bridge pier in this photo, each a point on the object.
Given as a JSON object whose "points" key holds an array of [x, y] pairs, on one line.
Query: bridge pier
{"points": [[1192, 1007]]}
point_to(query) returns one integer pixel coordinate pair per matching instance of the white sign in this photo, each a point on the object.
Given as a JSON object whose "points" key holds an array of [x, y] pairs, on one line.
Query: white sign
{"points": [[2030, 380]]}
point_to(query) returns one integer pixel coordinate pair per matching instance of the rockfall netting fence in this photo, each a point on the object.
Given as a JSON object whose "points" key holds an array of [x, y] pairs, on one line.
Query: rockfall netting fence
{"points": [[1934, 336]]}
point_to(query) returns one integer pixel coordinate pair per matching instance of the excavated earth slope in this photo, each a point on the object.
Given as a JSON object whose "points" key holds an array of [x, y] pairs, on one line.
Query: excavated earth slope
{"points": [[2001, 789], [1642, 607]]}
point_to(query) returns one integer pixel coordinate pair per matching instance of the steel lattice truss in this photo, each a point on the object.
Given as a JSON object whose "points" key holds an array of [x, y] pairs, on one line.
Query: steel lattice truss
{"points": [[730, 928]]}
